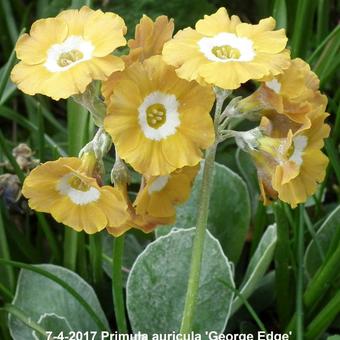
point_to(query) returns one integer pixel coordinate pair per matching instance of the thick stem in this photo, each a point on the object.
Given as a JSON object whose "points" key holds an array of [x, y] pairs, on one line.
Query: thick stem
{"points": [[202, 219], [117, 286], [299, 284], [70, 248], [282, 276], [197, 250]]}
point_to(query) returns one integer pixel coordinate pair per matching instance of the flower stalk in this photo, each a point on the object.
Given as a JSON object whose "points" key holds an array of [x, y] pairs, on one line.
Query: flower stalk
{"points": [[202, 219], [117, 287]]}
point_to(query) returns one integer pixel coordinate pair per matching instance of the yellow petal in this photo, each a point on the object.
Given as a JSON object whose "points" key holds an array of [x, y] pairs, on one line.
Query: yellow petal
{"points": [[102, 68], [216, 23], [113, 206], [32, 49], [150, 37], [76, 19], [118, 231], [105, 31]]}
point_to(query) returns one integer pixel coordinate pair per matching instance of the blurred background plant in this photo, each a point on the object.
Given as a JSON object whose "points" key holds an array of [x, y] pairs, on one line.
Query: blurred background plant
{"points": [[37, 129]]}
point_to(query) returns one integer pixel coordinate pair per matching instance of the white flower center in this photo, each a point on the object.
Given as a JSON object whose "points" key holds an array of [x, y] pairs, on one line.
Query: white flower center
{"points": [[80, 196], [274, 85], [158, 115], [158, 184], [300, 143], [226, 47], [74, 50]]}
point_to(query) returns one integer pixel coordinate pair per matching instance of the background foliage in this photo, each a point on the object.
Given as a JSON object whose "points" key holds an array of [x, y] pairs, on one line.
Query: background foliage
{"points": [[266, 275]]}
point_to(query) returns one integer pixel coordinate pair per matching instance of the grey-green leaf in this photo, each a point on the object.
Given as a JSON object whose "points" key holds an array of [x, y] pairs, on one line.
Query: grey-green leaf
{"points": [[249, 174], [324, 237], [229, 211], [258, 265], [39, 297], [53, 323], [158, 280]]}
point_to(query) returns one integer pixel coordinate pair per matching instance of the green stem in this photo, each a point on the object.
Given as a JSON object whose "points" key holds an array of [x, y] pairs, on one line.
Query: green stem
{"points": [[282, 277], [202, 219], [117, 286], [70, 248], [96, 257], [299, 283], [197, 250]]}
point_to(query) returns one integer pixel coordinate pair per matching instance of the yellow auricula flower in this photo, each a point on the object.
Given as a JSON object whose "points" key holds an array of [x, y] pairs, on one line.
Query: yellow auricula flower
{"points": [[67, 190], [225, 52], [294, 93], [62, 55], [162, 193], [156, 202], [150, 37], [290, 168], [157, 121]]}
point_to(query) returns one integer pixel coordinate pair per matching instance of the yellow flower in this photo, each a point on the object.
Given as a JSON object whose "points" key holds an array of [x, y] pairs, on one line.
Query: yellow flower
{"points": [[290, 168], [156, 201], [62, 55], [160, 194], [225, 52], [293, 93], [144, 223], [66, 189], [157, 121], [150, 37]]}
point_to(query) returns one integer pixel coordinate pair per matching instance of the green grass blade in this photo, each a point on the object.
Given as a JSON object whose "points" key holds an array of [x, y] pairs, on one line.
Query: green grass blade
{"points": [[280, 13], [79, 3], [8, 274], [302, 26], [324, 318], [41, 135], [10, 20], [5, 74], [47, 114], [322, 20], [11, 159], [25, 123], [11, 309], [333, 157], [50, 236], [6, 293]]}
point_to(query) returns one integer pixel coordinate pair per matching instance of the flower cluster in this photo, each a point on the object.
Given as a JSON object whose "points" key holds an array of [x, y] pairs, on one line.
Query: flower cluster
{"points": [[156, 111], [288, 153]]}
